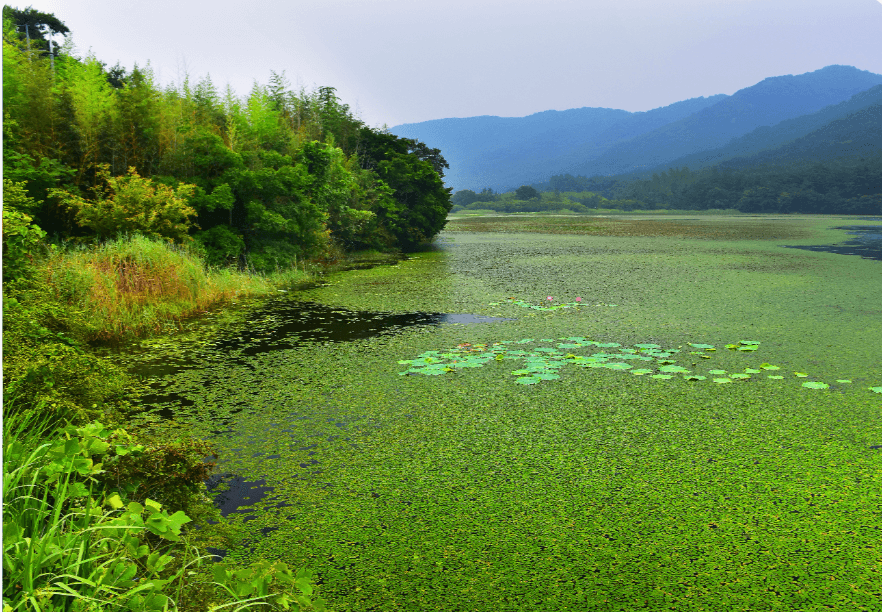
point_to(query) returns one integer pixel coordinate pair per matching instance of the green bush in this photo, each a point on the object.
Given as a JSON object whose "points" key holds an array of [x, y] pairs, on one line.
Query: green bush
{"points": [[22, 239], [131, 204], [70, 543]]}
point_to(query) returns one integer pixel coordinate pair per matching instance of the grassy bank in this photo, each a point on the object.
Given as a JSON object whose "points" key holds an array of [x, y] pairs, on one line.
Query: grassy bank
{"points": [[136, 286], [97, 517]]}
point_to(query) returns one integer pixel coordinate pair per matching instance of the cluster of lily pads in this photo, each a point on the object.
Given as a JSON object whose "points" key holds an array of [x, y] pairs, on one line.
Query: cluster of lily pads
{"points": [[542, 363], [549, 304]]}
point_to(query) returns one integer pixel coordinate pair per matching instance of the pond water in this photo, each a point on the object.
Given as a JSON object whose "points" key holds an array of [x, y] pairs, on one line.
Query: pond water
{"points": [[867, 242], [461, 487]]}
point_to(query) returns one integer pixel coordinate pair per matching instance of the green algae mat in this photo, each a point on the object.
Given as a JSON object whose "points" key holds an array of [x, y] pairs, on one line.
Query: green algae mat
{"points": [[669, 422]]}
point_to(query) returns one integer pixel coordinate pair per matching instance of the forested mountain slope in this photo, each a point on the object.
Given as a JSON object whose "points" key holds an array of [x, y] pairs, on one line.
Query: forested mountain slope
{"points": [[503, 153], [508, 151]]}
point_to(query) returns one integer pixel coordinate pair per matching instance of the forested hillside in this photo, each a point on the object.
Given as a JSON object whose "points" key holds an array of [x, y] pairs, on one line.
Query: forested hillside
{"points": [[502, 153], [262, 180]]}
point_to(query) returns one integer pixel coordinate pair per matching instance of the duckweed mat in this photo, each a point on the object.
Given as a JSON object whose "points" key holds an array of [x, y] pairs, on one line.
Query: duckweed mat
{"points": [[598, 490]]}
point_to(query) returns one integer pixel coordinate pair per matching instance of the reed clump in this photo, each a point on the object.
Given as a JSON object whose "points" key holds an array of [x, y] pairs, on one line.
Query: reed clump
{"points": [[135, 285]]}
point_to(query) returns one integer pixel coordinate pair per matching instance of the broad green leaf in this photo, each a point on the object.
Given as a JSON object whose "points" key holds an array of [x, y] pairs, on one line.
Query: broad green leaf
{"points": [[815, 385]]}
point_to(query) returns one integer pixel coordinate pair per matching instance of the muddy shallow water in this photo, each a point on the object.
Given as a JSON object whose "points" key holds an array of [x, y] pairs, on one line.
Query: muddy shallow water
{"points": [[529, 460]]}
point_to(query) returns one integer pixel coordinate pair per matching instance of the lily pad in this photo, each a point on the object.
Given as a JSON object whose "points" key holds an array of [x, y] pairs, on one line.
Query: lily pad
{"points": [[769, 366], [548, 376], [876, 389], [814, 384], [673, 368], [751, 371], [801, 374], [722, 381], [694, 377], [701, 346], [716, 371], [739, 376], [617, 366], [842, 381], [641, 371]]}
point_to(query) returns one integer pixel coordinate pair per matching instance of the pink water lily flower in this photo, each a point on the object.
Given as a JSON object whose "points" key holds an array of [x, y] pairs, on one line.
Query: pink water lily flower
{"points": [[578, 299], [550, 298]]}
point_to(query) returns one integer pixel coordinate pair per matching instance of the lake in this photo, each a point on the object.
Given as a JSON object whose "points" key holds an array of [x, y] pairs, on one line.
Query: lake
{"points": [[687, 423]]}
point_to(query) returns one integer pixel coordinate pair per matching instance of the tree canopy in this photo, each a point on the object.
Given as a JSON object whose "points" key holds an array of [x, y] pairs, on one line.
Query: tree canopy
{"points": [[271, 177]]}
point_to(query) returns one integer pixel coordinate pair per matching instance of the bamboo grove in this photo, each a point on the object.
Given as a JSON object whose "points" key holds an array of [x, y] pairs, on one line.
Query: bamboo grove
{"points": [[259, 181]]}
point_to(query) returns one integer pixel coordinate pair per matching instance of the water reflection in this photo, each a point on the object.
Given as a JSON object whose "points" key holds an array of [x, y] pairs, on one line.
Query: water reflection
{"points": [[867, 242], [283, 325]]}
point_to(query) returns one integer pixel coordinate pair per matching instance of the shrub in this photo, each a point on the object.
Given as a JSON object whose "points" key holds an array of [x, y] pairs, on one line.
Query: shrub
{"points": [[131, 204]]}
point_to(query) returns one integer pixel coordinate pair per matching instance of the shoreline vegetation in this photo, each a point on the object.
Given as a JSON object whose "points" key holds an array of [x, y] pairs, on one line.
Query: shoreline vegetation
{"points": [[128, 208]]}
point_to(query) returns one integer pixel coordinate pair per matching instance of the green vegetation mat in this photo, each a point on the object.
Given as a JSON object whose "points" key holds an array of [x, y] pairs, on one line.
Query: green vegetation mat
{"points": [[592, 488]]}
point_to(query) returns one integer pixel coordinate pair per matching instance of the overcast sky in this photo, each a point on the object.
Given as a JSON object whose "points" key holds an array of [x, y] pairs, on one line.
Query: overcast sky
{"points": [[405, 61]]}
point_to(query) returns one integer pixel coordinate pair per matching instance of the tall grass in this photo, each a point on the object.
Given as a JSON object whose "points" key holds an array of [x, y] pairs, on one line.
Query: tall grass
{"points": [[135, 285]]}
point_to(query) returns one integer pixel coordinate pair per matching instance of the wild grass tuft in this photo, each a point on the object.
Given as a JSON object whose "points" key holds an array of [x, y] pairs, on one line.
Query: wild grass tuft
{"points": [[134, 285]]}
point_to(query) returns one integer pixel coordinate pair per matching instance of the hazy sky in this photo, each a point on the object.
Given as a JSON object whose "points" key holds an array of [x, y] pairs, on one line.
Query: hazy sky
{"points": [[404, 61]]}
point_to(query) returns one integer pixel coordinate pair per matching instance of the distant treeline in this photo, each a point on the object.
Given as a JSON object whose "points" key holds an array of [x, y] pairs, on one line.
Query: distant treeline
{"points": [[528, 199], [262, 180], [840, 186]]}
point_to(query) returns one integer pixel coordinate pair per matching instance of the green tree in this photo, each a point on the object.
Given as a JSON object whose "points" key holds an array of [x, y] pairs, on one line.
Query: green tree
{"points": [[131, 204], [525, 192], [422, 201], [35, 25]]}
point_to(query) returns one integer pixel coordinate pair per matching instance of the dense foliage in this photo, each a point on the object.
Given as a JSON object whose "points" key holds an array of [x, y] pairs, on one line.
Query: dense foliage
{"points": [[263, 181], [841, 186]]}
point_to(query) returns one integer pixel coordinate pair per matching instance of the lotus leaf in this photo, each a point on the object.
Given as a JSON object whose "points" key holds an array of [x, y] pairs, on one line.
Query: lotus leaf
{"points": [[548, 376], [694, 377], [641, 371], [768, 366], [751, 371], [739, 376], [801, 374], [815, 385], [673, 368], [716, 371], [617, 366], [722, 380]]}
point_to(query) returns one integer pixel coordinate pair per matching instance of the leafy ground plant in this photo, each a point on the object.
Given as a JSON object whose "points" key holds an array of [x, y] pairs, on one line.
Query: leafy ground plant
{"points": [[69, 544]]}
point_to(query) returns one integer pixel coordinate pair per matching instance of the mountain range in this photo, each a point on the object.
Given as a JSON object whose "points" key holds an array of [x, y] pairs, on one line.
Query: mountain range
{"points": [[834, 111]]}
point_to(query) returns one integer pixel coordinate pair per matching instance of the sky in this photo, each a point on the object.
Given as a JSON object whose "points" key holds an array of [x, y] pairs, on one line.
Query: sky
{"points": [[406, 61]]}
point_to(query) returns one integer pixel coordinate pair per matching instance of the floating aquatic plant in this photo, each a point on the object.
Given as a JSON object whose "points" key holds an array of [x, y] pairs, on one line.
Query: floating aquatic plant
{"points": [[551, 306], [815, 385], [543, 362]]}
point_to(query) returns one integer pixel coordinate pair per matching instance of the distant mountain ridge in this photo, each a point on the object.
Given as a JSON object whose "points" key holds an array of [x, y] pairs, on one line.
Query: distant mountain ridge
{"points": [[504, 153], [849, 128]]}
